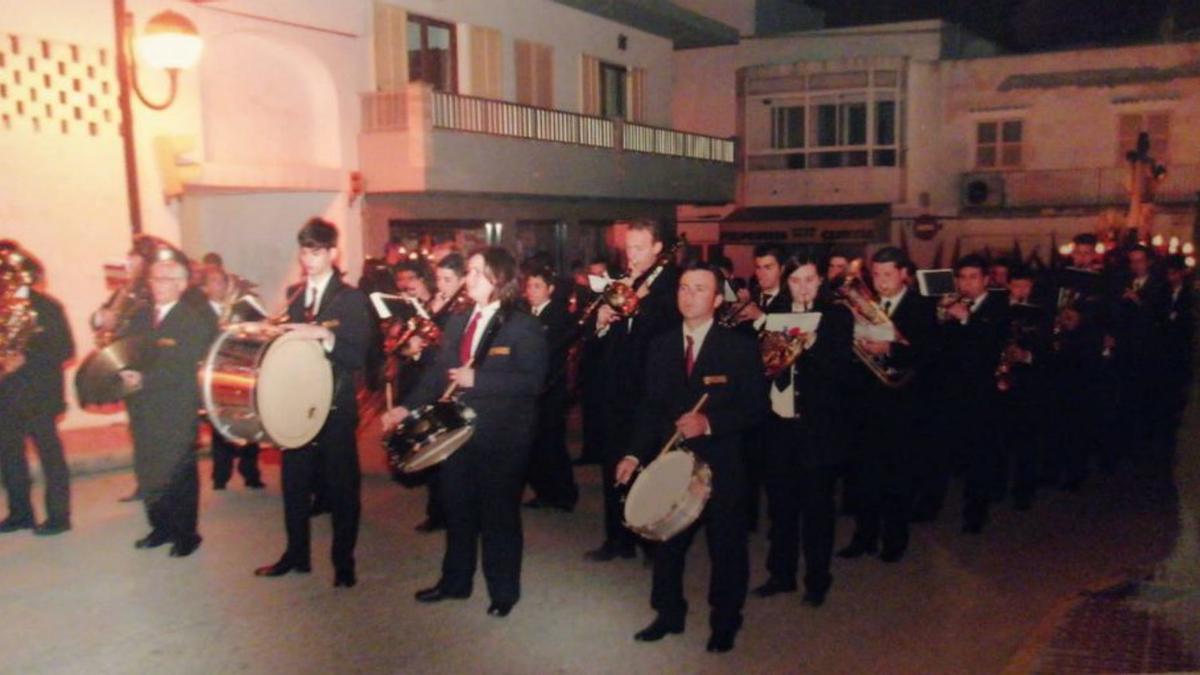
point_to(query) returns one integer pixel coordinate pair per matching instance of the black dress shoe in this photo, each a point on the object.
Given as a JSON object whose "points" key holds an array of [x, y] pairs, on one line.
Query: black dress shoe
{"points": [[857, 550], [185, 547], [438, 594], [658, 629], [1022, 503], [218, 486], [534, 503], [609, 551], [11, 524], [281, 568], [814, 598], [155, 539], [972, 527], [51, 528], [344, 579], [256, 485], [775, 586], [430, 525], [891, 555], [134, 496], [721, 641], [499, 609]]}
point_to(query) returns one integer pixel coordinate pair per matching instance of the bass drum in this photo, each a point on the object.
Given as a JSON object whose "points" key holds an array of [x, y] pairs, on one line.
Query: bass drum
{"points": [[429, 435], [668, 496], [263, 383]]}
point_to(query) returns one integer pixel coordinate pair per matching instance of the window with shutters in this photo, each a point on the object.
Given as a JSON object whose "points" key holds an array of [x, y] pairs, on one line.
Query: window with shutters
{"points": [[431, 53], [1156, 125], [998, 144], [535, 73], [486, 63], [613, 90]]}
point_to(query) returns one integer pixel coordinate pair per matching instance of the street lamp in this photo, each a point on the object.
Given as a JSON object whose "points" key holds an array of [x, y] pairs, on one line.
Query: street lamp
{"points": [[170, 42]]}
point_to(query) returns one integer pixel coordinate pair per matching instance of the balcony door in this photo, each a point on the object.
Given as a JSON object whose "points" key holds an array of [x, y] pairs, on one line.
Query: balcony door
{"points": [[613, 90], [431, 53]]}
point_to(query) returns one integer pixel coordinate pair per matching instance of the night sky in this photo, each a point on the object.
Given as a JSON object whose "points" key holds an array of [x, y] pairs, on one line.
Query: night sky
{"points": [[1030, 25]]}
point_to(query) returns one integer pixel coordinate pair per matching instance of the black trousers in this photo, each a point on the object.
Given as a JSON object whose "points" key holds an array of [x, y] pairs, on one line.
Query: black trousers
{"points": [[223, 454], [798, 494], [173, 508], [886, 473], [15, 467], [550, 472], [615, 532], [332, 461], [724, 523], [481, 487]]}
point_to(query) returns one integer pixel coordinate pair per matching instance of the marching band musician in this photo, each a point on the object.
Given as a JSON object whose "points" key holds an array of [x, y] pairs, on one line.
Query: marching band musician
{"points": [[695, 357], [808, 440], [550, 473], [497, 358], [162, 405], [772, 297], [215, 285], [625, 341], [974, 334], [1021, 381], [326, 309], [31, 396], [885, 477]]}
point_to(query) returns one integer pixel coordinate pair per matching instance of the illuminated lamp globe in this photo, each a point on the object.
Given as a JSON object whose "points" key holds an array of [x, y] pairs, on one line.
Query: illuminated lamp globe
{"points": [[170, 41]]}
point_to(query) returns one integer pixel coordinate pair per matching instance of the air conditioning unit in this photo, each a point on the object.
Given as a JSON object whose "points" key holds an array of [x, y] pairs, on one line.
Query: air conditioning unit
{"points": [[982, 189]]}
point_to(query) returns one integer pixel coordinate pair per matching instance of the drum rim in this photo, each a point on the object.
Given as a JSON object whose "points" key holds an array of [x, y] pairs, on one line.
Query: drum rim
{"points": [[209, 405], [648, 530]]}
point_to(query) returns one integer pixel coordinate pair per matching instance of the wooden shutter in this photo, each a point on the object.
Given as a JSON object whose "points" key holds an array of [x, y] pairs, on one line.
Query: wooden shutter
{"points": [[535, 73], [589, 81], [485, 62], [390, 50], [635, 82]]}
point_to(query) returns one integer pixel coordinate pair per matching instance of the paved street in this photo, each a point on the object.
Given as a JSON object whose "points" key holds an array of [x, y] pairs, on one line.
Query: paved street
{"points": [[88, 602]]}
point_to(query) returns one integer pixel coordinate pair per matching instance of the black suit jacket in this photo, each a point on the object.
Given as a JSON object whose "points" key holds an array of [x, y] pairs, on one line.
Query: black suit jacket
{"points": [[972, 350], [821, 386], [557, 326], [729, 369], [915, 319], [510, 367], [780, 303], [37, 388], [347, 306]]}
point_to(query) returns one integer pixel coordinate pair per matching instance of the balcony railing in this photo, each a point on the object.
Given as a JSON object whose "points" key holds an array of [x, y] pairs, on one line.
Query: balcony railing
{"points": [[393, 111], [1093, 186]]}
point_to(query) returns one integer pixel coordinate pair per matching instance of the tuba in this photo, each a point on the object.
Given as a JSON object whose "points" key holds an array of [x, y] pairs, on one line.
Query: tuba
{"points": [[18, 318], [861, 303]]}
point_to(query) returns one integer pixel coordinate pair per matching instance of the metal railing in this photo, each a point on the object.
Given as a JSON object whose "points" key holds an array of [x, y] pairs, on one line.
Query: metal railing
{"points": [[1093, 186], [395, 111]]}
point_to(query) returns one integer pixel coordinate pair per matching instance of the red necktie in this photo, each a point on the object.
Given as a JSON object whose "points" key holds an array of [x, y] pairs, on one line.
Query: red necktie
{"points": [[689, 358], [464, 347]]}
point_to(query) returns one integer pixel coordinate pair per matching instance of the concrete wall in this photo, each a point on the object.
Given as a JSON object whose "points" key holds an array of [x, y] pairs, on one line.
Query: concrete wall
{"points": [[571, 33]]}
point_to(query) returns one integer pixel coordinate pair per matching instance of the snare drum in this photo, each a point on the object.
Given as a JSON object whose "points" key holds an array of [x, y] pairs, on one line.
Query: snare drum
{"points": [[429, 435], [668, 495], [262, 382]]}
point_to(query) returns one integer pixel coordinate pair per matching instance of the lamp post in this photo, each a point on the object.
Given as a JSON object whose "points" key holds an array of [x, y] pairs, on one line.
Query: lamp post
{"points": [[170, 42]]}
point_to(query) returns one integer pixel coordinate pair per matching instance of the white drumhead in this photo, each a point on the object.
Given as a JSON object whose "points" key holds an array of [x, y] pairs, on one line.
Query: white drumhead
{"points": [[658, 488], [294, 391]]}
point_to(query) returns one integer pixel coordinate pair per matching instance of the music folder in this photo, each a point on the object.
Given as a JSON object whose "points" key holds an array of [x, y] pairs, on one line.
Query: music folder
{"points": [[807, 322], [387, 305], [934, 283]]}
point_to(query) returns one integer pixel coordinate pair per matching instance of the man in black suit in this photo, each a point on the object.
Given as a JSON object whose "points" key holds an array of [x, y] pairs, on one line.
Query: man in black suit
{"points": [[1179, 325], [31, 396], [1137, 316], [808, 437], [975, 328], [550, 473], [326, 309], [216, 289], [162, 406], [591, 375], [625, 343], [889, 412], [1023, 389], [772, 297], [496, 358], [693, 358]]}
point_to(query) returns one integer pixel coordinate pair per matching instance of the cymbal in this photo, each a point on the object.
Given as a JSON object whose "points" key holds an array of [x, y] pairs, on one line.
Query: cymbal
{"points": [[97, 382]]}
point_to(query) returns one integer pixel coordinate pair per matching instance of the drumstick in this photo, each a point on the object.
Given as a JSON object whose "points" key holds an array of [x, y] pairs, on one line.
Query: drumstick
{"points": [[454, 385], [387, 396], [676, 436]]}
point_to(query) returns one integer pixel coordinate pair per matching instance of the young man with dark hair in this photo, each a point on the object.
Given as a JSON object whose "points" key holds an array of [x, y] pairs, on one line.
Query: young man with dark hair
{"points": [[889, 443], [326, 309], [550, 473], [693, 358]]}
